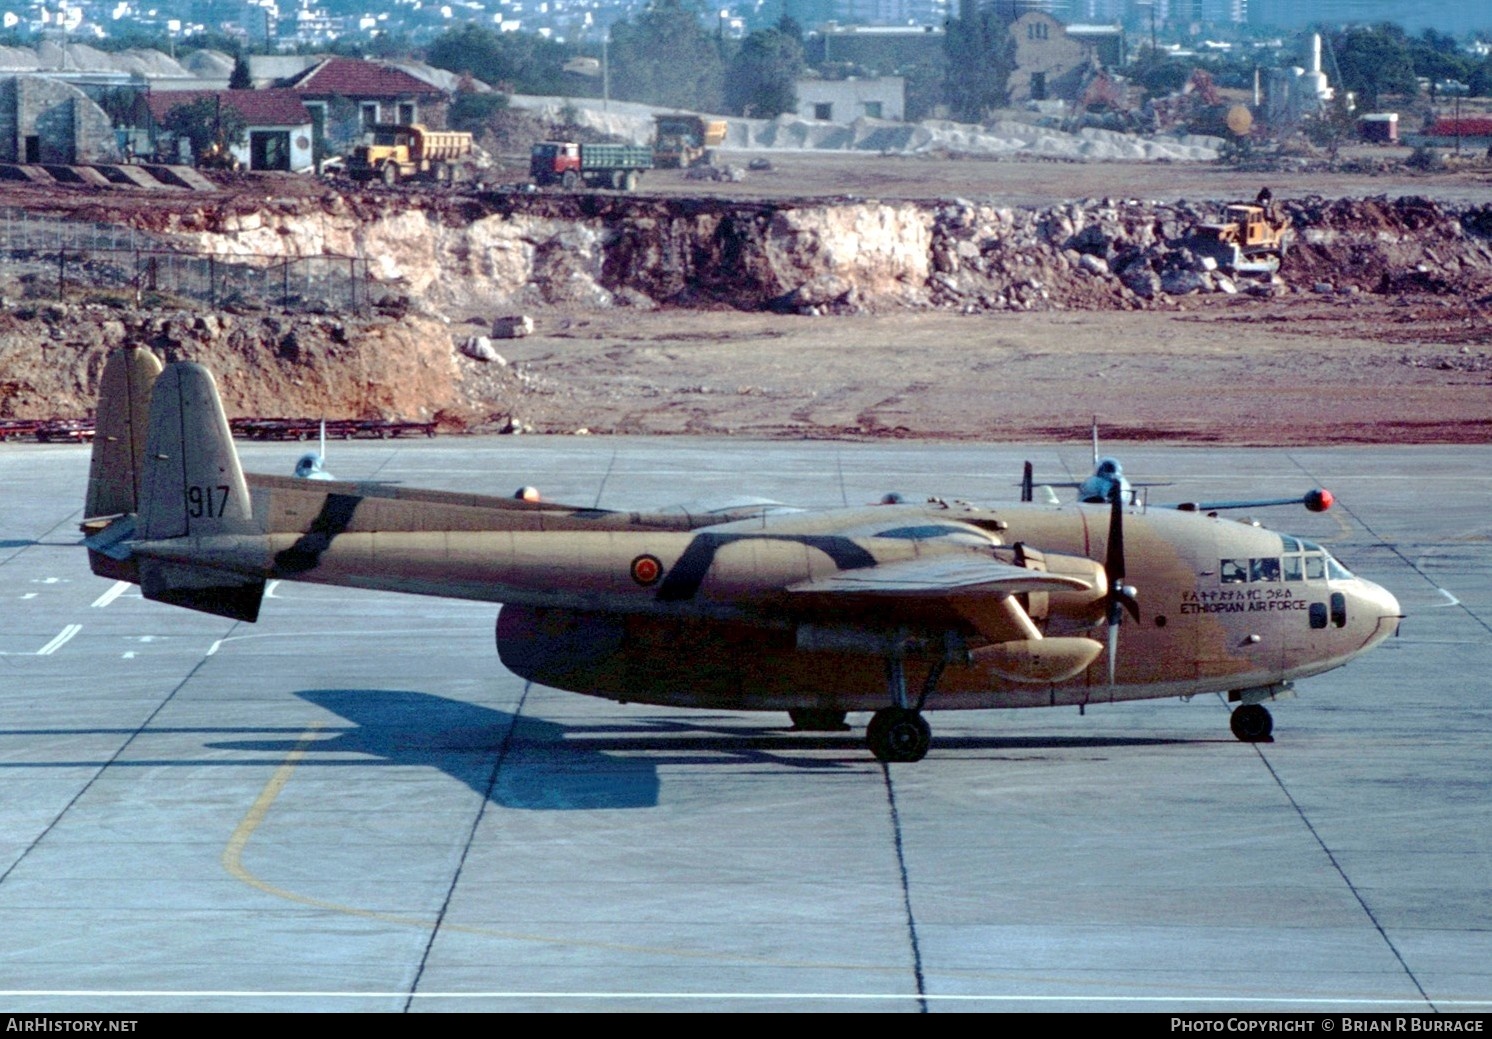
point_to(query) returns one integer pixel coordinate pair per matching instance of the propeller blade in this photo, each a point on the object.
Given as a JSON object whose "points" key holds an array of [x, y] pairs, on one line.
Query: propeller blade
{"points": [[1113, 647], [1027, 484], [1119, 598], [1113, 563]]}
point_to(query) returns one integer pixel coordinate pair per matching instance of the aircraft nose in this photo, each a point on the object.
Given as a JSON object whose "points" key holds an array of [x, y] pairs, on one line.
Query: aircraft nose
{"points": [[1379, 603]]}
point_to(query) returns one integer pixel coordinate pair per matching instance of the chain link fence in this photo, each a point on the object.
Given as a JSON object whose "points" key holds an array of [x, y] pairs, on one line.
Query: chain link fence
{"points": [[44, 257]]}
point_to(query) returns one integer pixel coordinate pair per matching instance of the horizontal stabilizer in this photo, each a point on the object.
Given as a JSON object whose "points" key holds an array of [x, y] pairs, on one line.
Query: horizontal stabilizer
{"points": [[113, 541], [202, 589], [941, 576]]}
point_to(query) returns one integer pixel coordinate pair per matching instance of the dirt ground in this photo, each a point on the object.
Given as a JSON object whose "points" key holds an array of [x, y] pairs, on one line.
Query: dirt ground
{"points": [[1289, 371], [1302, 368]]}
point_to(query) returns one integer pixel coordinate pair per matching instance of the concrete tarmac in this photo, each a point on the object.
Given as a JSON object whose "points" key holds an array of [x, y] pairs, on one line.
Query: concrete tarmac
{"points": [[352, 806]]}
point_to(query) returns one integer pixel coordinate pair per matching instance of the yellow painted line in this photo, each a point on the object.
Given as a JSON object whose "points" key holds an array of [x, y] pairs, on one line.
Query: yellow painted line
{"points": [[232, 859]]}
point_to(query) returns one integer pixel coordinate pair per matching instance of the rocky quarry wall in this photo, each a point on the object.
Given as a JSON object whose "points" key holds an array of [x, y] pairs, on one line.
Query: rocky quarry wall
{"points": [[439, 260], [845, 255]]}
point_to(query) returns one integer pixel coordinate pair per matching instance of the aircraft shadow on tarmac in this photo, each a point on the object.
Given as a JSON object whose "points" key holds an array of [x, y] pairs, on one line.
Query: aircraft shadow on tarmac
{"points": [[545, 766], [548, 766]]}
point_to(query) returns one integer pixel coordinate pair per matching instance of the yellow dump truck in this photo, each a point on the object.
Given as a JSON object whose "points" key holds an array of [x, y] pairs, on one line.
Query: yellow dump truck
{"points": [[393, 152], [682, 140]]}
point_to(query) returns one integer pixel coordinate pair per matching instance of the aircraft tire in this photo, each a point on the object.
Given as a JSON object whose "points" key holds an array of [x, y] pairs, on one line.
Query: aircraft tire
{"points": [[814, 719], [1252, 723], [898, 734]]}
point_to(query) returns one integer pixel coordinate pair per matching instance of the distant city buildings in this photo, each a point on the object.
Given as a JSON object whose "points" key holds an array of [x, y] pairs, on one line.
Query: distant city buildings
{"points": [[288, 24]]}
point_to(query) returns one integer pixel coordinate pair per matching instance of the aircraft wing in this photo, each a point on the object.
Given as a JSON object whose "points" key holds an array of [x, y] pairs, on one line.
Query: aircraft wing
{"points": [[940, 576], [981, 592]]}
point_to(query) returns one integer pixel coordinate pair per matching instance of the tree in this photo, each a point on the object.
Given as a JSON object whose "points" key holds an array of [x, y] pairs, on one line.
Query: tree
{"points": [[1158, 72], [763, 75], [518, 62], [1437, 57], [981, 56], [1481, 78], [664, 56], [335, 127], [1375, 62], [240, 79], [472, 111], [207, 122]]}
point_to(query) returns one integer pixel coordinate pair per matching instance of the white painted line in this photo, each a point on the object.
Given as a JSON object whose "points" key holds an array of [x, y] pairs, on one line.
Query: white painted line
{"points": [[118, 589], [129, 656], [212, 649], [61, 640], [269, 590], [1450, 600], [29, 595]]}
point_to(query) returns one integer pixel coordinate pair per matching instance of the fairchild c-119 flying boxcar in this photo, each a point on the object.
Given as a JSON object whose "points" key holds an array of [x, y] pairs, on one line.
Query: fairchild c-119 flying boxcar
{"points": [[896, 609]]}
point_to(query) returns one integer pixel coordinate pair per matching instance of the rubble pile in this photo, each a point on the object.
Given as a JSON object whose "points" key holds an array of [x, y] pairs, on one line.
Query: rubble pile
{"points": [[588, 251]]}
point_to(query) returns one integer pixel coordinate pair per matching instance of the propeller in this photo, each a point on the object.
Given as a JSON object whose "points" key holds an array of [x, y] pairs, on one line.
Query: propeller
{"points": [[1120, 596]]}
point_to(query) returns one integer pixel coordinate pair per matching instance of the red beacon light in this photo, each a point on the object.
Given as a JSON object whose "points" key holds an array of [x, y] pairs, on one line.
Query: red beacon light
{"points": [[1318, 500]]}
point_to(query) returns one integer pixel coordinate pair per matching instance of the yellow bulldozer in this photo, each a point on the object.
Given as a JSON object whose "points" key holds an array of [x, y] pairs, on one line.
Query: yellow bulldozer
{"points": [[1250, 239]]}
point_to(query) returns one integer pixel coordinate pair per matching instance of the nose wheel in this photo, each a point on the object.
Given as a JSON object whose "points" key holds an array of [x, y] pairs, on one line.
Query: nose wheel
{"points": [[1252, 723]]}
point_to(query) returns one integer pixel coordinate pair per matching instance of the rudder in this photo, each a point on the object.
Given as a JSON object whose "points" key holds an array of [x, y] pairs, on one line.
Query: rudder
{"points": [[123, 421], [194, 487]]}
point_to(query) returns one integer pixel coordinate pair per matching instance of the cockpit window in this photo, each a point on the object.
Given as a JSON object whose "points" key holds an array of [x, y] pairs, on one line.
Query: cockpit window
{"points": [[1233, 571], [1266, 569]]}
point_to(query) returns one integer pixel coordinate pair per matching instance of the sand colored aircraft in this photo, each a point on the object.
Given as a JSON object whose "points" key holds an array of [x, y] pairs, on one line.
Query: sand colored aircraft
{"points": [[897, 609]]}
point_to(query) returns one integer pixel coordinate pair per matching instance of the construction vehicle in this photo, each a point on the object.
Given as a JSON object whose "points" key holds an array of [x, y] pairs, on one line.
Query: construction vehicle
{"points": [[1251, 239], [393, 152], [569, 164], [681, 140], [218, 156]]}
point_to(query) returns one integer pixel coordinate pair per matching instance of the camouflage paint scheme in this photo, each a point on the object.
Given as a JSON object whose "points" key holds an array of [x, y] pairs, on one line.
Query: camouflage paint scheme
{"points": [[756, 608]]}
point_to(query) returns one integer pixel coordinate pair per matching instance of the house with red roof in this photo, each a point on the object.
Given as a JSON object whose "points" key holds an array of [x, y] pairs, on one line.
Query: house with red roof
{"points": [[279, 131], [382, 93]]}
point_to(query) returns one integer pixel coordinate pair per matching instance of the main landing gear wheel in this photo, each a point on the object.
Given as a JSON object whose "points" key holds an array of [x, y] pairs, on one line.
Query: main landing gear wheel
{"points": [[814, 719], [1252, 723], [898, 734]]}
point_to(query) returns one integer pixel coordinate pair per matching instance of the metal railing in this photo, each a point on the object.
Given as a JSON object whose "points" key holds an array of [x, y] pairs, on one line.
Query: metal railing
{"points": [[49, 257]]}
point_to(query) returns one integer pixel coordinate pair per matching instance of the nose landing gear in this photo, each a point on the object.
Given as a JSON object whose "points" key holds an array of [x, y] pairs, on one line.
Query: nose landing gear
{"points": [[1252, 723]]}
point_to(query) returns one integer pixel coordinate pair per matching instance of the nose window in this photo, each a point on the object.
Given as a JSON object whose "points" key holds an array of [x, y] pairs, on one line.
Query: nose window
{"points": [[1318, 614], [1338, 610]]}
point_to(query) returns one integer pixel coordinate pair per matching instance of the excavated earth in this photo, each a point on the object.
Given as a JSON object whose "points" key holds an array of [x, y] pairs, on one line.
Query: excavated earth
{"points": [[922, 312]]}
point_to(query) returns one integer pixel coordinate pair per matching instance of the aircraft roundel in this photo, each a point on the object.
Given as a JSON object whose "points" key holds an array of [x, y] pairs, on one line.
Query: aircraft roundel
{"points": [[646, 570]]}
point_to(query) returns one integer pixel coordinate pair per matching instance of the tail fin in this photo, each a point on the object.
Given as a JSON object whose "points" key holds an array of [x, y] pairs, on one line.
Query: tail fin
{"points": [[119, 443], [193, 487]]}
